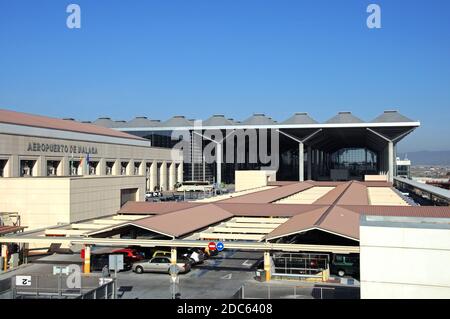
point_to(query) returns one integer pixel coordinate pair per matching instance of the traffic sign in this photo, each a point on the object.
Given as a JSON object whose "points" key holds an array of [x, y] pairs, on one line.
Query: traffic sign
{"points": [[59, 270], [23, 280], [116, 262], [219, 246], [212, 246]]}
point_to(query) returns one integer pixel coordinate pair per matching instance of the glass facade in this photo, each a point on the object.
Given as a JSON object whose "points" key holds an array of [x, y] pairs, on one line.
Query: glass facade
{"points": [[359, 161]]}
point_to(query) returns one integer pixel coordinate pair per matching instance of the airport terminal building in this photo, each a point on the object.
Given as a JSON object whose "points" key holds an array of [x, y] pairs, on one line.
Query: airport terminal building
{"points": [[57, 171], [343, 148]]}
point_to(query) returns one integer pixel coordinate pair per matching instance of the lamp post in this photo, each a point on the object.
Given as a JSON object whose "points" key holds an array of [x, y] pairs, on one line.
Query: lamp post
{"points": [[218, 154]]}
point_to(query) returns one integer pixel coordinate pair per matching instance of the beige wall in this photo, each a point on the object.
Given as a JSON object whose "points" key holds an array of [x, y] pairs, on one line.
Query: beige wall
{"points": [[252, 179], [39, 201], [404, 262], [100, 196], [47, 201], [16, 148]]}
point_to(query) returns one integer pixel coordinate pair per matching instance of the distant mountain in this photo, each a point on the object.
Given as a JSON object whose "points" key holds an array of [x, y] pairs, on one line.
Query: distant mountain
{"points": [[427, 157]]}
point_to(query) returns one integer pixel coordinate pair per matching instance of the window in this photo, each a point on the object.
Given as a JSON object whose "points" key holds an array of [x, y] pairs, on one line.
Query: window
{"points": [[75, 168], [123, 168], [109, 168], [26, 168], [158, 260], [93, 168], [52, 168], [136, 168], [2, 167]]}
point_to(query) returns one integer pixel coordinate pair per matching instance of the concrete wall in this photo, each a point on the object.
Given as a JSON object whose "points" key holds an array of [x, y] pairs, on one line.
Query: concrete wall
{"points": [[92, 197], [39, 201], [252, 179], [47, 201], [404, 262]]}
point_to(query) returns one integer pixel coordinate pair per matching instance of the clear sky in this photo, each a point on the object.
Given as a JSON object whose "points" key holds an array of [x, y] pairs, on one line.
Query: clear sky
{"points": [[236, 57]]}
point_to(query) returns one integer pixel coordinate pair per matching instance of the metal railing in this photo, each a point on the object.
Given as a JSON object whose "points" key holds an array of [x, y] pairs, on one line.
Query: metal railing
{"points": [[300, 265], [286, 292], [106, 291], [56, 287]]}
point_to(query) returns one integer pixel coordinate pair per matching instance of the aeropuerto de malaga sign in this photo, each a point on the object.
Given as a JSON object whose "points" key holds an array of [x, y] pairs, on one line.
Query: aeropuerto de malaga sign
{"points": [[61, 148]]}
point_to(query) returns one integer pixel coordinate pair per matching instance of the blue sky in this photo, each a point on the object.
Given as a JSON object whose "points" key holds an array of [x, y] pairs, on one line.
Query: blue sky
{"points": [[236, 57]]}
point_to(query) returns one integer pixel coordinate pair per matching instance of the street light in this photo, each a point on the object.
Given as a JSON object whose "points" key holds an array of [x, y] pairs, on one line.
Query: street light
{"points": [[218, 154]]}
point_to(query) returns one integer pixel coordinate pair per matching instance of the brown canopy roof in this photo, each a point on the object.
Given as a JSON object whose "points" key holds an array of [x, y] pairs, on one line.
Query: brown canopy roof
{"points": [[154, 208], [337, 212], [184, 221]]}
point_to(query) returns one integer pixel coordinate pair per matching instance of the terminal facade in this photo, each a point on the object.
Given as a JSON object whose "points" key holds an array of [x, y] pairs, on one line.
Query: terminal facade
{"points": [[59, 171], [343, 148]]}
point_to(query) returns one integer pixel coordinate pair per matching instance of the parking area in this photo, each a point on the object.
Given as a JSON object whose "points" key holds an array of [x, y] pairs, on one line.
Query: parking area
{"points": [[220, 276], [230, 274]]}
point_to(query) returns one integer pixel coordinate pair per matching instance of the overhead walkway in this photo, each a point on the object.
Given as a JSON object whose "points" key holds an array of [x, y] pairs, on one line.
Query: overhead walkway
{"points": [[437, 195]]}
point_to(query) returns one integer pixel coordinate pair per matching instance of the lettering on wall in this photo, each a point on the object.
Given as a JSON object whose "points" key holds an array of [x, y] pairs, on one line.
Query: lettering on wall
{"points": [[61, 148]]}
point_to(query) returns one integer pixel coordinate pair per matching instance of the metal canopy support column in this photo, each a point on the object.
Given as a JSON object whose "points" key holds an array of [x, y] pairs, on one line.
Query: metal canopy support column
{"points": [[267, 265], [87, 259], [309, 161], [391, 161], [301, 153], [301, 160], [5, 257], [173, 255], [388, 159]]}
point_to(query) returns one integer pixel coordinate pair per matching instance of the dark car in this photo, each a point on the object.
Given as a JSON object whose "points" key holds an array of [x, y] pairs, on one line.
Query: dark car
{"points": [[98, 261], [343, 265]]}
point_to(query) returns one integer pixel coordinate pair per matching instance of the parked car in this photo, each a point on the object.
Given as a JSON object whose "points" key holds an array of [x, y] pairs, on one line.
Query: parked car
{"points": [[162, 253], [183, 258], [342, 265], [196, 254], [98, 261], [133, 254], [159, 264]]}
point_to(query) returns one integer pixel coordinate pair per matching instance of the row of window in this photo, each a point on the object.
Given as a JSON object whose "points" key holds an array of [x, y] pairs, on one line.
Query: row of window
{"points": [[28, 168]]}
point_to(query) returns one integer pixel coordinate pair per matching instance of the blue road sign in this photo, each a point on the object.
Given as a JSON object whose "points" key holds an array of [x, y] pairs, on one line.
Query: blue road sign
{"points": [[219, 246]]}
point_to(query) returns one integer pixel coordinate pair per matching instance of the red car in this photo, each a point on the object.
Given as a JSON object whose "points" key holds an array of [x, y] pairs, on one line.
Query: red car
{"points": [[130, 253]]}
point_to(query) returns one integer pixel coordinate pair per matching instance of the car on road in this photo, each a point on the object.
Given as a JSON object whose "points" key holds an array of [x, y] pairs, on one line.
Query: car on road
{"points": [[159, 264]]}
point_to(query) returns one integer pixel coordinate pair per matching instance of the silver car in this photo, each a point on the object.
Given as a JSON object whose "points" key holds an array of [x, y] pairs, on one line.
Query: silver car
{"points": [[158, 264]]}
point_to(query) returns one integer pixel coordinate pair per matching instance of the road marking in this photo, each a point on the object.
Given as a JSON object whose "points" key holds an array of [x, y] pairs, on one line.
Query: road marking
{"points": [[246, 264], [226, 276]]}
